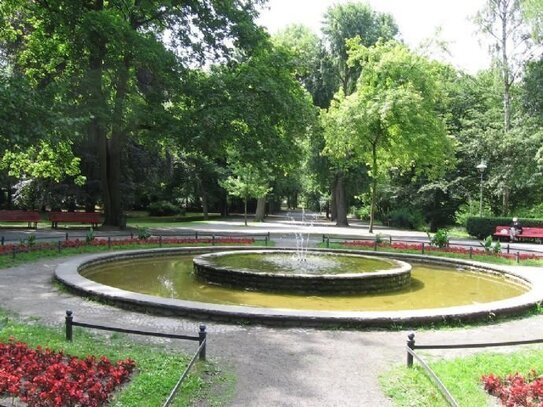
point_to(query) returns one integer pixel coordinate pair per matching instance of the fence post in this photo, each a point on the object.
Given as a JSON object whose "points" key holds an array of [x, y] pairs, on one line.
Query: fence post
{"points": [[328, 242], [59, 246], [3, 239], [390, 239], [470, 252], [109, 242], [69, 330], [507, 248], [266, 240], [410, 345], [196, 235], [159, 240], [517, 256], [202, 334], [422, 248], [213, 239], [67, 237], [323, 238], [131, 235], [13, 252]]}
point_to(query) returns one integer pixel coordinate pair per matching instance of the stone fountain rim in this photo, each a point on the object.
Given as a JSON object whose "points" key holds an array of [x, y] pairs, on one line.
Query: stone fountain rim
{"points": [[68, 273], [401, 266]]}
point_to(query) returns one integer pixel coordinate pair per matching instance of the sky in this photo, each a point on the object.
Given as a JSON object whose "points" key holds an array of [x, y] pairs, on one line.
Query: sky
{"points": [[418, 21]]}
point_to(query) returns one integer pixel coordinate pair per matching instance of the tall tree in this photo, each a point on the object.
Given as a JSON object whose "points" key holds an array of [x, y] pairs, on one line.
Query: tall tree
{"points": [[391, 119], [113, 59]]}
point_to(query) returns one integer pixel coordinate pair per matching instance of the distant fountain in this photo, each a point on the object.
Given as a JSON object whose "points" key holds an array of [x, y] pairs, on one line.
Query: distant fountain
{"points": [[302, 242]]}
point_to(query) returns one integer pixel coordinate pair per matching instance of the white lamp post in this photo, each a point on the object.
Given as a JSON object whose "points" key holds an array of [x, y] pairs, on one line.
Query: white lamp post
{"points": [[481, 168]]}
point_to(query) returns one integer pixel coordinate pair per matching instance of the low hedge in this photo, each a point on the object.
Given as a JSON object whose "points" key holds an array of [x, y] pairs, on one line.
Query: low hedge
{"points": [[481, 227]]}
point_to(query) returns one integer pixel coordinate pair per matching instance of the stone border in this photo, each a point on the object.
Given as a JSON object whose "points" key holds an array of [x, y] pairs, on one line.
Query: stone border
{"points": [[68, 274], [387, 280]]}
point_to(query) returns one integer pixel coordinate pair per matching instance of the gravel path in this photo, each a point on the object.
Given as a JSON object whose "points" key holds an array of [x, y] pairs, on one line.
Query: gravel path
{"points": [[274, 366]]}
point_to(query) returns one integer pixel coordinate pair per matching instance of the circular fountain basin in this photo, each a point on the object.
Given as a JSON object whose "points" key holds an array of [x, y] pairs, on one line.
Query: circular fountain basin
{"points": [[314, 273], [282, 310]]}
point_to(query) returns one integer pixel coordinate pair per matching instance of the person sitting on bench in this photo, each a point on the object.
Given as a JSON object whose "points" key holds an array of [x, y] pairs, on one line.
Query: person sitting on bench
{"points": [[515, 230]]}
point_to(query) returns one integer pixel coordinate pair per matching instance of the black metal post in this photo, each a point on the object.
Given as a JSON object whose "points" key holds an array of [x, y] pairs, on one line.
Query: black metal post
{"points": [[202, 334], [213, 239], [328, 242], [471, 252], [3, 239], [375, 244], [517, 256], [390, 240], [410, 345], [59, 246], [69, 330], [13, 252], [196, 235], [109, 242], [67, 237], [422, 248], [507, 248], [160, 241], [323, 238], [131, 235]]}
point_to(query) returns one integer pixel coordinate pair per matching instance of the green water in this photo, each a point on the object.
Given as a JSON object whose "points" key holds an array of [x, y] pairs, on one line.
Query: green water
{"points": [[431, 287], [314, 264]]}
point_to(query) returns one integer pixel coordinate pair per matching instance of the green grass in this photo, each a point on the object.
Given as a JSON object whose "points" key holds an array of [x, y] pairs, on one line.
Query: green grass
{"points": [[7, 260], [480, 258], [462, 377], [157, 369]]}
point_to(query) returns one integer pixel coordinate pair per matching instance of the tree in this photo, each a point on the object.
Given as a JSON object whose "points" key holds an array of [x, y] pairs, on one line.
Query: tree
{"points": [[110, 58], [391, 118]]}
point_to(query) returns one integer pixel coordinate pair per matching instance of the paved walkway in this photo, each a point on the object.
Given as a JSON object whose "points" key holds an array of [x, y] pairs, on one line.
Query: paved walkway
{"points": [[274, 367]]}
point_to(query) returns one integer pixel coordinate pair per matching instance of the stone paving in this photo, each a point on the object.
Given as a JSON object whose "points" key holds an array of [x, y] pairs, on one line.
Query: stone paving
{"points": [[274, 366]]}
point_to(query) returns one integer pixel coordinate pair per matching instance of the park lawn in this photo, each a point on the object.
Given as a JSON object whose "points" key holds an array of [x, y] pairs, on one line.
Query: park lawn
{"points": [[143, 220], [157, 369], [480, 258], [461, 376], [8, 260]]}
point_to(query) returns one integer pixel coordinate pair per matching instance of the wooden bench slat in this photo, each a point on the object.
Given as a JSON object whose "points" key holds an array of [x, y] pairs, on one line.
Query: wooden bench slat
{"points": [[31, 217], [75, 217]]}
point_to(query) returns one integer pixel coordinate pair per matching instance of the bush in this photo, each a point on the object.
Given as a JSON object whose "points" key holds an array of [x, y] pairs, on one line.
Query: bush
{"points": [[405, 219], [362, 213], [440, 238], [481, 227], [163, 208]]}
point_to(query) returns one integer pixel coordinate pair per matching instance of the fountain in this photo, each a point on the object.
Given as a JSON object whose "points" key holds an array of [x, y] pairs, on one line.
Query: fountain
{"points": [[164, 281]]}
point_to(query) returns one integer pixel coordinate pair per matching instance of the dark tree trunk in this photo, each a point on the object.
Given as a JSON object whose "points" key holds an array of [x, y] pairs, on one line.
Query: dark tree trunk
{"points": [[333, 205], [260, 209], [341, 201]]}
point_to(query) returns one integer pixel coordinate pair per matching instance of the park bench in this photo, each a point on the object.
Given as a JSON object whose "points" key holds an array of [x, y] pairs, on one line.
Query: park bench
{"points": [[31, 217], [92, 218], [528, 233]]}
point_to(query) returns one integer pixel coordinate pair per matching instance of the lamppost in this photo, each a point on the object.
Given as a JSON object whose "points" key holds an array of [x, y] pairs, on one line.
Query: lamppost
{"points": [[481, 168]]}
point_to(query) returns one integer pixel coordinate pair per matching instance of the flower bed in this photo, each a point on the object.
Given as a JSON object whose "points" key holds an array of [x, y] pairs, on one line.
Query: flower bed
{"points": [[41, 377], [516, 390], [101, 242], [370, 244]]}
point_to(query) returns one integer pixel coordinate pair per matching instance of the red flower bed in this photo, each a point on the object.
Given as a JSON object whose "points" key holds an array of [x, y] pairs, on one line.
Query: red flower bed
{"points": [[427, 248], [41, 377], [19, 248], [515, 390]]}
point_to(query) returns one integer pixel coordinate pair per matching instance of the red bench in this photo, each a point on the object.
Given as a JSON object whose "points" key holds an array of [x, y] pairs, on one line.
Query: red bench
{"points": [[528, 233], [75, 217], [31, 217]]}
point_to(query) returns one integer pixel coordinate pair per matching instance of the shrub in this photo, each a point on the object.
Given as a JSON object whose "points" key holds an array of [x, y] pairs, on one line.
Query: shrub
{"points": [[405, 218], [440, 238], [163, 208], [143, 233], [490, 246], [89, 237], [362, 213]]}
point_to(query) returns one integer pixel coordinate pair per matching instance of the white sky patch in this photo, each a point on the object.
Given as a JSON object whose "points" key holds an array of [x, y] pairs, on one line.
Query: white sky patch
{"points": [[418, 21]]}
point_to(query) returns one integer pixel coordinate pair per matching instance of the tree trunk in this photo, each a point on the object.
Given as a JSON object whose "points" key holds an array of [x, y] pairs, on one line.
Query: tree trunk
{"points": [[245, 209], [341, 201], [333, 203], [373, 187], [260, 209], [112, 182]]}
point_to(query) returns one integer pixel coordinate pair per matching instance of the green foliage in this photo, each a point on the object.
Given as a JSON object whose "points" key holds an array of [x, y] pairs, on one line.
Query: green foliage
{"points": [[405, 218], [143, 233], [490, 245], [163, 208], [362, 213], [90, 236], [468, 210], [440, 238], [461, 376]]}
